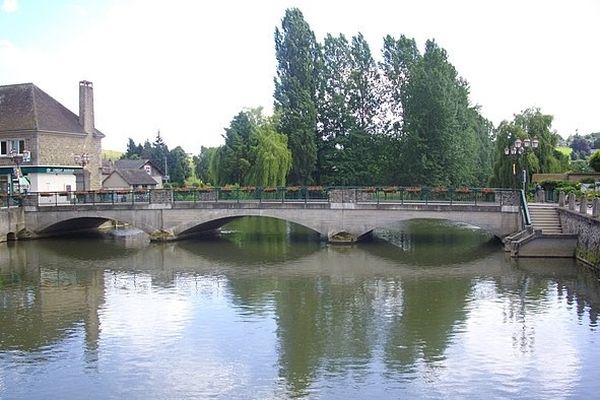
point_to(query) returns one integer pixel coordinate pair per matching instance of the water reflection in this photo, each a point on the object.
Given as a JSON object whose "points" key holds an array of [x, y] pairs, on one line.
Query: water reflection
{"points": [[280, 317]]}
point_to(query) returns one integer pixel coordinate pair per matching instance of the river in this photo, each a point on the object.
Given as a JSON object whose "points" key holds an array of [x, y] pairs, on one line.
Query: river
{"points": [[428, 310]]}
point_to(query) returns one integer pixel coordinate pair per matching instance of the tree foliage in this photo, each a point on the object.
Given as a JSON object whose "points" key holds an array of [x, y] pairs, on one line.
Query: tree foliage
{"points": [[297, 55], [254, 153], [176, 163], [545, 159], [595, 161]]}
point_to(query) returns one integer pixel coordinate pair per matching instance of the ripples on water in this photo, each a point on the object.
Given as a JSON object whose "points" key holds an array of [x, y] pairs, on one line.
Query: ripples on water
{"points": [[437, 315]]}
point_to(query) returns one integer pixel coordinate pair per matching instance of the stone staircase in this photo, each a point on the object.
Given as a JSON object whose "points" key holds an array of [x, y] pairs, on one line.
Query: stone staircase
{"points": [[545, 218]]}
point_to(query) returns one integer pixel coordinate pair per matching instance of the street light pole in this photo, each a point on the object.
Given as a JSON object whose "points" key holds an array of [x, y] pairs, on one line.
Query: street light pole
{"points": [[17, 159], [519, 147], [83, 160]]}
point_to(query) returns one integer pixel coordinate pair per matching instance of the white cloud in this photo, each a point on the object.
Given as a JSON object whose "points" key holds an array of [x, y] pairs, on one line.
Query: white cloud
{"points": [[9, 6]]}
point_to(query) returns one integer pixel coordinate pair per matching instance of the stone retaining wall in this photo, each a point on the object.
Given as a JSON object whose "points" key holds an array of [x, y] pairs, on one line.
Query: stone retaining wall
{"points": [[587, 228], [11, 222]]}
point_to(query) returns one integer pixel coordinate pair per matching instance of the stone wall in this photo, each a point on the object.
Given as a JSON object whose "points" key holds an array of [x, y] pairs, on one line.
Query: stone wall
{"points": [[588, 230], [350, 196], [11, 222], [60, 149], [30, 139]]}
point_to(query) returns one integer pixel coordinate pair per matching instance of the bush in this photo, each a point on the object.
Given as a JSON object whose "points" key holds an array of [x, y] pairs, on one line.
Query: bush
{"points": [[595, 161], [589, 179]]}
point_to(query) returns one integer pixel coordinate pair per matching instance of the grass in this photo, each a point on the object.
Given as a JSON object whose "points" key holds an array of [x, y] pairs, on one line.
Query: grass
{"points": [[111, 154]]}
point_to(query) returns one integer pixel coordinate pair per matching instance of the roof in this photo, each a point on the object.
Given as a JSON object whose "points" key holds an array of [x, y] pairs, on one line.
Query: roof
{"points": [[135, 177], [26, 107], [129, 164], [135, 164]]}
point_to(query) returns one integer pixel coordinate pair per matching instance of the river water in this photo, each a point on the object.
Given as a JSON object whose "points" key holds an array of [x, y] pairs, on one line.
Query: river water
{"points": [[434, 311]]}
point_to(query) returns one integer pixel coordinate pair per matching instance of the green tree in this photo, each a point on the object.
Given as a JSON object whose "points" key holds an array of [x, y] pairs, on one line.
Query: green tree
{"points": [[595, 161], [236, 158], [438, 142], [297, 55], [179, 165], [134, 151], [545, 159], [202, 164], [273, 158]]}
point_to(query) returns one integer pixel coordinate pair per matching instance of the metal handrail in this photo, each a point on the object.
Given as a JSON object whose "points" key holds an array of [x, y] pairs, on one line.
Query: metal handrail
{"points": [[524, 208], [294, 194]]}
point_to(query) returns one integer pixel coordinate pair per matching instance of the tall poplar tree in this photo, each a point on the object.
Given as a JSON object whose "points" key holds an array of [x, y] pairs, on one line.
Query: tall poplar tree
{"points": [[438, 143], [297, 55]]}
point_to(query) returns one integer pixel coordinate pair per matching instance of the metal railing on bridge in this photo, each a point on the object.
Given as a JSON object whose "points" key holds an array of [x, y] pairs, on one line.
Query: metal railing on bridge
{"points": [[292, 194]]}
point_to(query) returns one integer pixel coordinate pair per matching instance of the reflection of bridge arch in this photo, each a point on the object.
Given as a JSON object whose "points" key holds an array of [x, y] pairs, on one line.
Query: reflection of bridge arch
{"points": [[84, 223], [336, 222]]}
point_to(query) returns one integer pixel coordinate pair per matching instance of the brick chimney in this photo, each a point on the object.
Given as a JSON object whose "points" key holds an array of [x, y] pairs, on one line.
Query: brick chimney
{"points": [[86, 106]]}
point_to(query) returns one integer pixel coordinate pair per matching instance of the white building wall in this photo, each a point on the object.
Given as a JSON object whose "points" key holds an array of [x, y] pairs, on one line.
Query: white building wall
{"points": [[51, 182]]}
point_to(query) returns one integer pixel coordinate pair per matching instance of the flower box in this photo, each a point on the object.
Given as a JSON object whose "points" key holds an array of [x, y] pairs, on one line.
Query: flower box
{"points": [[293, 189], [122, 192], [315, 188], [488, 190], [46, 194], [205, 190], [413, 189], [248, 189], [368, 190], [269, 189], [440, 190], [390, 190], [463, 190]]}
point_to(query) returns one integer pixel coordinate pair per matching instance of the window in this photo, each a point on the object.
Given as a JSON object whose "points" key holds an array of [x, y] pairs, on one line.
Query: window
{"points": [[7, 146], [148, 169]]}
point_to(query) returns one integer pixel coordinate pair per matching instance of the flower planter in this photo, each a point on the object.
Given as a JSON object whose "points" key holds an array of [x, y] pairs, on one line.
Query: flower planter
{"points": [[413, 190], [269, 190]]}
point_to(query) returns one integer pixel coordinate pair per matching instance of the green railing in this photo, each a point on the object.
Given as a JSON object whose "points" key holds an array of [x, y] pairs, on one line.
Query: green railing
{"points": [[293, 194], [524, 208]]}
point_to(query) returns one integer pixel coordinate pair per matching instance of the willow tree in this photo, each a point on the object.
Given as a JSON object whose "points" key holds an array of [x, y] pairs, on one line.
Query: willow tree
{"points": [[273, 158], [545, 159]]}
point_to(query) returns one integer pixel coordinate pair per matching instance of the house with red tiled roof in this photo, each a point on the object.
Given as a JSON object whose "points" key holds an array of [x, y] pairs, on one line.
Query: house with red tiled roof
{"points": [[50, 146]]}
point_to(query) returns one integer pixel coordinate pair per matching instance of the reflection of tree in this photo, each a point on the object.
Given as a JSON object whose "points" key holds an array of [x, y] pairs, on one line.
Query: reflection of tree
{"points": [[432, 308]]}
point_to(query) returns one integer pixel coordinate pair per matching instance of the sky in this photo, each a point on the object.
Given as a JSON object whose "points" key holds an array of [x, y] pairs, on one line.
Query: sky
{"points": [[187, 67]]}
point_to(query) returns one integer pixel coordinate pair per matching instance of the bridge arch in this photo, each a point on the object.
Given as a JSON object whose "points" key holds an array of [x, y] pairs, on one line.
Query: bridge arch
{"points": [[487, 226], [194, 227], [83, 223]]}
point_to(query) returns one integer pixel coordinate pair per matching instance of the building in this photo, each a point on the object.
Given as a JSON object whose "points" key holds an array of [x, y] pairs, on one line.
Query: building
{"points": [[44, 142], [129, 179], [145, 166]]}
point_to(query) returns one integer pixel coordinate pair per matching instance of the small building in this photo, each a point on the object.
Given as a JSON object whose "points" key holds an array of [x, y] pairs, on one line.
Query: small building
{"points": [[144, 165], [45, 144], [129, 179]]}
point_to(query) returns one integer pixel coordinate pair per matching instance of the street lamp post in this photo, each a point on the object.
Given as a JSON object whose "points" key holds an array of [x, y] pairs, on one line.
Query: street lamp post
{"points": [[518, 148], [17, 159], [83, 160]]}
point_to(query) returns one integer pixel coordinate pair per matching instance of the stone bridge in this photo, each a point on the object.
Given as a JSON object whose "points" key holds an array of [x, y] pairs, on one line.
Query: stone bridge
{"points": [[335, 221]]}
